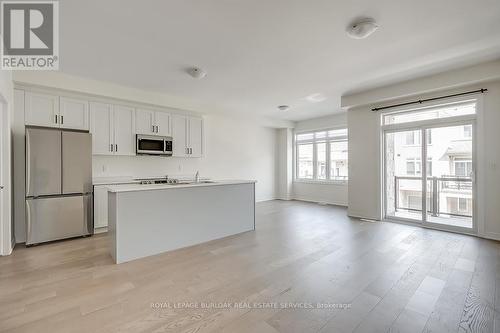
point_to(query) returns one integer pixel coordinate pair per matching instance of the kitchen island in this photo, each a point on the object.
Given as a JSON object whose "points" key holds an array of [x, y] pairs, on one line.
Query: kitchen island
{"points": [[150, 219]]}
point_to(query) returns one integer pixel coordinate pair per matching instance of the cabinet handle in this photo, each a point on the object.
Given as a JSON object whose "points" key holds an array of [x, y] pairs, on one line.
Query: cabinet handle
{"points": [[153, 128], [62, 119], [157, 129], [116, 147], [56, 118], [111, 148]]}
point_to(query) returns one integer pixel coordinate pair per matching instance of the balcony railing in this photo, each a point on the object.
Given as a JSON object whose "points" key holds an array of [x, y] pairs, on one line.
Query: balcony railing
{"points": [[444, 184]]}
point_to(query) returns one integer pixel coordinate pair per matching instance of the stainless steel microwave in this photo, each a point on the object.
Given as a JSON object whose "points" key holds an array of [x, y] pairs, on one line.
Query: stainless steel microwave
{"points": [[154, 145]]}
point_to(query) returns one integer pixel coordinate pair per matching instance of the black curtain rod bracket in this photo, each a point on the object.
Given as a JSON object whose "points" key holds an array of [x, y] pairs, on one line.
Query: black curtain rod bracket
{"points": [[420, 101]]}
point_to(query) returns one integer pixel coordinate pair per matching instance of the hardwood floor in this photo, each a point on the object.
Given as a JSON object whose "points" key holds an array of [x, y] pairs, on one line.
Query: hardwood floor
{"points": [[369, 277]]}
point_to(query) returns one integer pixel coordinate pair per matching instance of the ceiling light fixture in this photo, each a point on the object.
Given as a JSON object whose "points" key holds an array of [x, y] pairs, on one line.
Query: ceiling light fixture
{"points": [[316, 98], [283, 107], [362, 28], [197, 72]]}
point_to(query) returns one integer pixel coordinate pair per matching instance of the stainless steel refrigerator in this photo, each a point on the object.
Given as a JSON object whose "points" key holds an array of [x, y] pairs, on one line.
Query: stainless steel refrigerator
{"points": [[59, 200]]}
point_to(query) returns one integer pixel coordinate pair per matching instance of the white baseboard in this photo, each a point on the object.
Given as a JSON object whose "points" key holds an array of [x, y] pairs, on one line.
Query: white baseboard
{"points": [[491, 235], [100, 230], [342, 204]]}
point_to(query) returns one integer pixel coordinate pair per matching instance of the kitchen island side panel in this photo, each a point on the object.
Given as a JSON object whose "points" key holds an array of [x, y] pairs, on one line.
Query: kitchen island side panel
{"points": [[155, 221]]}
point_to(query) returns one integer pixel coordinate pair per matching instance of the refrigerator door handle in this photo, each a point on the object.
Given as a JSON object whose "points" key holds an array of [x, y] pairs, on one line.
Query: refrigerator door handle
{"points": [[28, 164]]}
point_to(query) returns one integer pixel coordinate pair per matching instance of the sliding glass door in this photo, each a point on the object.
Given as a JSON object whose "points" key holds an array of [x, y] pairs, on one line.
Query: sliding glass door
{"points": [[429, 173], [450, 178]]}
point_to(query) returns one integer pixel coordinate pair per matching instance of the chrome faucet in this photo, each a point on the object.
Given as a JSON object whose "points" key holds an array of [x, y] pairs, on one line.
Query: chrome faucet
{"points": [[197, 177]]}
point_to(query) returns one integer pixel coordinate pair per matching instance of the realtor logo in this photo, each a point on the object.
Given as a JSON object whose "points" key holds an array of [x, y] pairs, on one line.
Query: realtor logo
{"points": [[30, 35]]}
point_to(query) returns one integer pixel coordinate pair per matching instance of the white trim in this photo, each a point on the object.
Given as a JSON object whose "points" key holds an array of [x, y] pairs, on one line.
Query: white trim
{"points": [[6, 180], [333, 203]]}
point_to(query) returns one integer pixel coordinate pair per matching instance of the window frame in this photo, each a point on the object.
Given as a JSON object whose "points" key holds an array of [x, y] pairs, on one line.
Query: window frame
{"points": [[315, 141]]}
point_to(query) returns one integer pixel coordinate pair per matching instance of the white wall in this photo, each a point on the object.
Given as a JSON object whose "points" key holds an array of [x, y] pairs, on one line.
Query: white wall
{"points": [[6, 116], [335, 194], [236, 147], [365, 150]]}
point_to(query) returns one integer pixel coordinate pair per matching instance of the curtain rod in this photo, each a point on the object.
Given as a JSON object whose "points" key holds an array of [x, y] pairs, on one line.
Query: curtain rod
{"points": [[420, 101]]}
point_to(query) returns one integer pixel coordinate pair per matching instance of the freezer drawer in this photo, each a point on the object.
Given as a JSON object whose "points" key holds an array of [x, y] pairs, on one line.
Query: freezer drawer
{"points": [[55, 218]]}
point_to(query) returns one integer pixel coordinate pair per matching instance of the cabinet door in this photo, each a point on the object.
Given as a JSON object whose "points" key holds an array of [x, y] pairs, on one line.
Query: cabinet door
{"points": [[100, 206], [101, 120], [74, 113], [144, 121], [162, 121], [124, 130], [195, 143], [41, 110], [179, 135]]}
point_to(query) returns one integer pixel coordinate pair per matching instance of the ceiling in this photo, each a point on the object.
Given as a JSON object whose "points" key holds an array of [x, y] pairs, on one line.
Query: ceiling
{"points": [[260, 54]]}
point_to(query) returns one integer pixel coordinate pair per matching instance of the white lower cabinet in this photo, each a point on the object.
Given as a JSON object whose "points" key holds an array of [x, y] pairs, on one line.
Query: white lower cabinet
{"points": [[100, 206]]}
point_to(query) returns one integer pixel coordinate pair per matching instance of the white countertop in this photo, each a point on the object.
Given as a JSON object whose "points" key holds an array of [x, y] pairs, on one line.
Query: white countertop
{"points": [[153, 187], [114, 180]]}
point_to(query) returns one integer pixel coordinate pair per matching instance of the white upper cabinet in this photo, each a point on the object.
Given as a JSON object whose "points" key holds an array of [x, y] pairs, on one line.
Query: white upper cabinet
{"points": [[54, 111], [124, 130], [195, 143], [162, 123], [152, 122], [101, 116], [145, 122], [74, 113], [113, 129], [179, 136], [41, 109], [187, 134]]}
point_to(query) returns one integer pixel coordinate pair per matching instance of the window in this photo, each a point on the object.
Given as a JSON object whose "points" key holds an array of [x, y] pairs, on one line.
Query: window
{"points": [[413, 138], [462, 204], [463, 168], [414, 167], [305, 161], [322, 155], [468, 131], [436, 112]]}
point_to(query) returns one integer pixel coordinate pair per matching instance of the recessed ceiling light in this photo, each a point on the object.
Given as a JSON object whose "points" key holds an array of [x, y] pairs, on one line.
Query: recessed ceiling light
{"points": [[283, 107], [316, 98], [197, 72], [362, 28]]}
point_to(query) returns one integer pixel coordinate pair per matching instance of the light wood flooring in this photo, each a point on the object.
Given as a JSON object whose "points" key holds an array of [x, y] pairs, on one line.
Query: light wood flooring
{"points": [[390, 278]]}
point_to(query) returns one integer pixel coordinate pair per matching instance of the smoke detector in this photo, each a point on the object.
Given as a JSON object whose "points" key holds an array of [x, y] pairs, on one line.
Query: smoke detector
{"points": [[197, 72], [362, 28]]}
